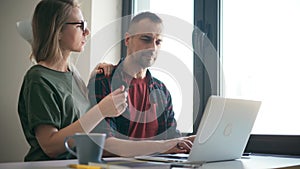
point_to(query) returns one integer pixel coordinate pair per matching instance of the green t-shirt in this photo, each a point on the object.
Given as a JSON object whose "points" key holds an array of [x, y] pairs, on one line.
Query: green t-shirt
{"points": [[49, 97]]}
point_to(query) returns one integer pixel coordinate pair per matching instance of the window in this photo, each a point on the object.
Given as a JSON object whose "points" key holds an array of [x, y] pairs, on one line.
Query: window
{"points": [[260, 60], [260, 54]]}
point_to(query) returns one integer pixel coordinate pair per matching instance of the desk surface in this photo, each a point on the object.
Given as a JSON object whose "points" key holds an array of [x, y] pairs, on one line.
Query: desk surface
{"points": [[251, 162]]}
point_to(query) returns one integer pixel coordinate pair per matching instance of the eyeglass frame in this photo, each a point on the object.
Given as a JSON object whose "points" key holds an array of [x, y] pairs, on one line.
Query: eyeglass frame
{"points": [[83, 25]]}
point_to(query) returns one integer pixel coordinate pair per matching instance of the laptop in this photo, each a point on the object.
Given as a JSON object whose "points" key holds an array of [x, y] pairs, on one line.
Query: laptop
{"points": [[222, 134]]}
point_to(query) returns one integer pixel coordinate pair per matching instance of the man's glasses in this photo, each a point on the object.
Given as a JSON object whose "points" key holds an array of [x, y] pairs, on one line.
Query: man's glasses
{"points": [[83, 24]]}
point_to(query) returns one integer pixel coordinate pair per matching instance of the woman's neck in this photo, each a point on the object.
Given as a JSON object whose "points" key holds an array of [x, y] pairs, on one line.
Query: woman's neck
{"points": [[61, 66]]}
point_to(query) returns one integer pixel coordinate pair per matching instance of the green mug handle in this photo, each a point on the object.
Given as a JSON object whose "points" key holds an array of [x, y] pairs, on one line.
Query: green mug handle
{"points": [[67, 146]]}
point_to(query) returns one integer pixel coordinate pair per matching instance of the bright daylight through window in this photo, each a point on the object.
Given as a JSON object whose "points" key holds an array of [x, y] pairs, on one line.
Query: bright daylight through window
{"points": [[261, 60]]}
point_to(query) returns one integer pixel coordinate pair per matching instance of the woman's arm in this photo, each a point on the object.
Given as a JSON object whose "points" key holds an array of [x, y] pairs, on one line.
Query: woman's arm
{"points": [[51, 139], [128, 148]]}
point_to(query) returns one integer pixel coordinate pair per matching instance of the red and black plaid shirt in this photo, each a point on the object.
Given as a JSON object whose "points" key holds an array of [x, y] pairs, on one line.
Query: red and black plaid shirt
{"points": [[100, 86]]}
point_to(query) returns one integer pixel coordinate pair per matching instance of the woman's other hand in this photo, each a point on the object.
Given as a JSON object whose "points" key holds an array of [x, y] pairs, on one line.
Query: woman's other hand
{"points": [[180, 145], [105, 68]]}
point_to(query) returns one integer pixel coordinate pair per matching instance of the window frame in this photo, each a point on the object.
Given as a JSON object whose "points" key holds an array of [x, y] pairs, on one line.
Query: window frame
{"points": [[127, 9], [207, 22]]}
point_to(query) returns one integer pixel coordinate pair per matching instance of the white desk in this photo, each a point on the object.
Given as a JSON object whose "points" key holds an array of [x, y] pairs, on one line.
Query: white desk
{"points": [[253, 162], [60, 164]]}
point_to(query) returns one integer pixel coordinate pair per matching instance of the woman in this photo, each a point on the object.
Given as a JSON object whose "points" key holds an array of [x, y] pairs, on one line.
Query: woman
{"points": [[53, 102]]}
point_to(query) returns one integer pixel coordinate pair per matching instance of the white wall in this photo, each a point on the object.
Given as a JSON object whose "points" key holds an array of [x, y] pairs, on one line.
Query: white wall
{"points": [[15, 62], [106, 21]]}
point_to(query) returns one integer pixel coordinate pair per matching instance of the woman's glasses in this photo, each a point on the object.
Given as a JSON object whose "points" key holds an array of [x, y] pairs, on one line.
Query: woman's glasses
{"points": [[83, 25]]}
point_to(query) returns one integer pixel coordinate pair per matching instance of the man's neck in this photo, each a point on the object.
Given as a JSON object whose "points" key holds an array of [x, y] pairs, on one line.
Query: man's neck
{"points": [[134, 70]]}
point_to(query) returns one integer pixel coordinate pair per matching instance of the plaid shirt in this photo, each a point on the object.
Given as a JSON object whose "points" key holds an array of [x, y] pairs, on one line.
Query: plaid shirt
{"points": [[100, 86]]}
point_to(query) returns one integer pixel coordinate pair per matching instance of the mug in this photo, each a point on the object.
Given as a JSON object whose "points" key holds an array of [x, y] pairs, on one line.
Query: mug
{"points": [[89, 146]]}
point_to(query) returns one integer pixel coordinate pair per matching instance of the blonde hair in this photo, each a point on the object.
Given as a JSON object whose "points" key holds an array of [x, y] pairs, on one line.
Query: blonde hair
{"points": [[47, 22]]}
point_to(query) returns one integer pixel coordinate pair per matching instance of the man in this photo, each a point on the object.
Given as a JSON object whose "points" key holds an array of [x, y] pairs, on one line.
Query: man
{"points": [[149, 114]]}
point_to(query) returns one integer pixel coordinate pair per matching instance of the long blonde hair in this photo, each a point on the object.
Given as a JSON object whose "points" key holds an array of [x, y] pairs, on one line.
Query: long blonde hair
{"points": [[47, 22]]}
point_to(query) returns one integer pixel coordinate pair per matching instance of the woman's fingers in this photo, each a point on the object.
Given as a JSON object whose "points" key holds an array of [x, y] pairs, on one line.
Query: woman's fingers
{"points": [[117, 102], [108, 69], [191, 138], [119, 96], [118, 90], [122, 108], [105, 68], [184, 145]]}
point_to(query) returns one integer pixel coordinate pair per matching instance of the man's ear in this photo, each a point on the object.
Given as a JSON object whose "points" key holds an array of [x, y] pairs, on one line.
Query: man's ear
{"points": [[126, 38], [60, 36]]}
